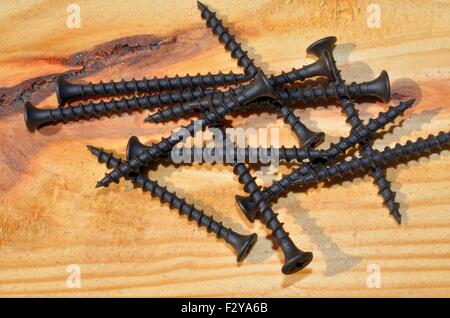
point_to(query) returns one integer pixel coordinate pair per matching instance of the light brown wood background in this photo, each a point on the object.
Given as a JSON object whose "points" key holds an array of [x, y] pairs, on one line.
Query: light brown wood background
{"points": [[128, 244]]}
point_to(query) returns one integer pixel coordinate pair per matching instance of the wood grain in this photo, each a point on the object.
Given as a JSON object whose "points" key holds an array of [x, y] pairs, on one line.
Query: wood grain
{"points": [[128, 244]]}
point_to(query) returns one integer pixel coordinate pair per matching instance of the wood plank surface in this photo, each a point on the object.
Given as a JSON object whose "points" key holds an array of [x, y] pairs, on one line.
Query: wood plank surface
{"points": [[128, 244]]}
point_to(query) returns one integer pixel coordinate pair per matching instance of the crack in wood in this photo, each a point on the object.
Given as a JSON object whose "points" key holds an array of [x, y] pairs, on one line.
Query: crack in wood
{"points": [[92, 61]]}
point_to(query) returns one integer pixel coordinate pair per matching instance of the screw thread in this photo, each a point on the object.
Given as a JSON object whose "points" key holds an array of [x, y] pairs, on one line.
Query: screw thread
{"points": [[307, 175], [102, 108], [211, 118], [378, 173], [291, 95], [320, 93], [293, 121], [184, 109], [288, 77], [228, 40], [358, 135], [362, 132], [352, 114], [268, 215], [161, 84], [243, 60], [240, 154], [174, 202], [253, 155], [379, 176]]}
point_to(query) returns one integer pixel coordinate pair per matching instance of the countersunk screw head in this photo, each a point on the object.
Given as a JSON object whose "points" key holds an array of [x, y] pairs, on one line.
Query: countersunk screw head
{"points": [[134, 147], [321, 46], [35, 117], [247, 206], [295, 259]]}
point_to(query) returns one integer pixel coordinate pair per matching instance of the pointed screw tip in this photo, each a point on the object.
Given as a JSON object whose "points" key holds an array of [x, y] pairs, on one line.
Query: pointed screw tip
{"points": [[397, 216], [98, 185], [94, 150], [200, 5], [411, 101]]}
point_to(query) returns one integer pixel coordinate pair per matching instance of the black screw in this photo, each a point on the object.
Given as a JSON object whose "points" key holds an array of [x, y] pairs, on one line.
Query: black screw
{"points": [[259, 87], [324, 47], [378, 87], [307, 138], [36, 117], [66, 91], [388, 156], [360, 133], [228, 40], [242, 244], [363, 164], [234, 154], [294, 258]]}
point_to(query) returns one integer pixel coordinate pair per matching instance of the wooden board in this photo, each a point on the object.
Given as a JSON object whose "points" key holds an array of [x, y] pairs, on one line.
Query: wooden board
{"points": [[128, 244]]}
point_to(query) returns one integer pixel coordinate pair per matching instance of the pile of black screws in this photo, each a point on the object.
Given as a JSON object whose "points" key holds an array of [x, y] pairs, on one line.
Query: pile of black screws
{"points": [[200, 94]]}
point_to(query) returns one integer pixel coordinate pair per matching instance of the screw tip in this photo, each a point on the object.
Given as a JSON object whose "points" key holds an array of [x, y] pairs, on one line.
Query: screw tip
{"points": [[99, 185], [200, 5], [397, 216], [410, 102], [94, 150], [148, 119]]}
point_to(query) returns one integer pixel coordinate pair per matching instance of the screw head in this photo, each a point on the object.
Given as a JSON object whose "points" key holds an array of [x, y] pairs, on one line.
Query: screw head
{"points": [[134, 147], [321, 46], [245, 246], [312, 139], [33, 116], [61, 84], [383, 86], [297, 262]]}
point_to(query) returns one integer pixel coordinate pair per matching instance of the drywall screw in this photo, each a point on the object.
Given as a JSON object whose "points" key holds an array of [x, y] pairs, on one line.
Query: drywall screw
{"points": [[36, 117], [235, 154], [378, 87], [319, 68], [259, 87], [228, 40], [324, 48], [379, 175], [294, 258], [66, 91], [242, 244], [360, 133], [307, 138], [357, 135], [306, 175], [388, 156]]}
